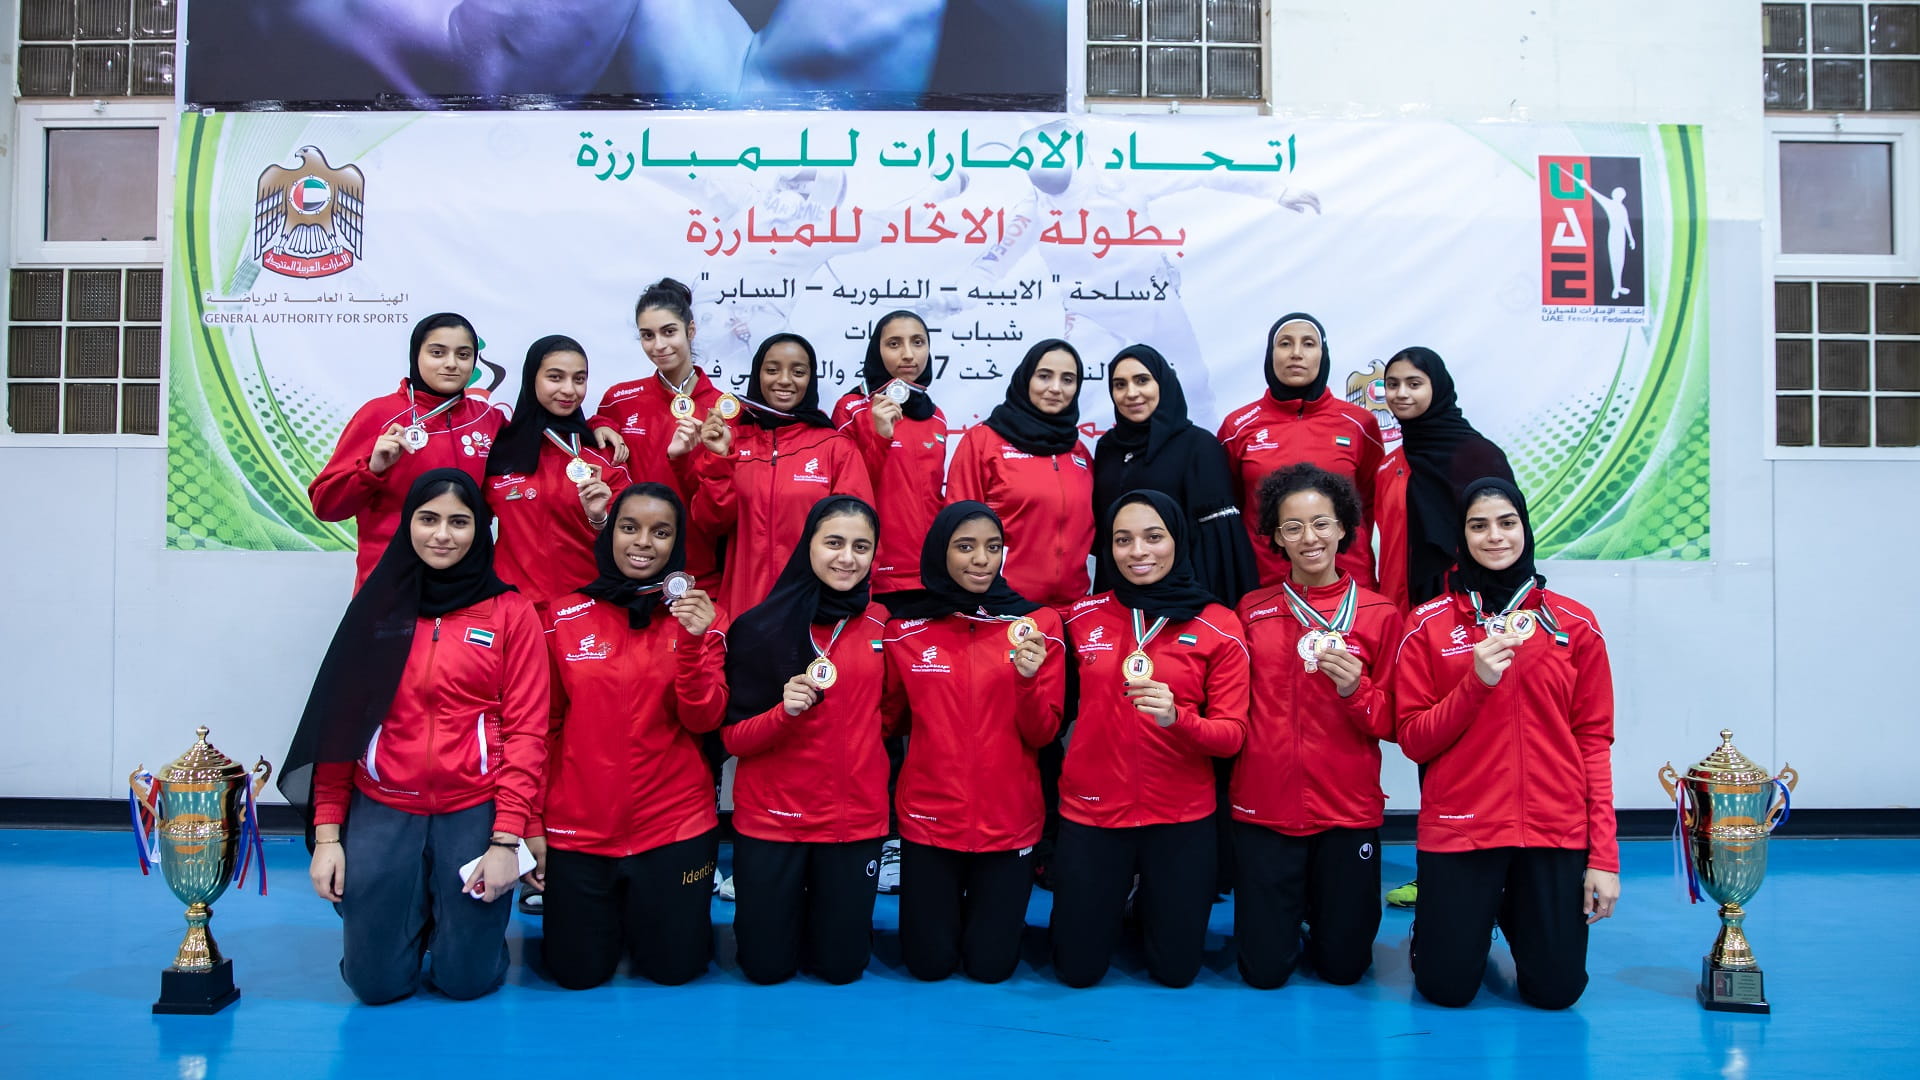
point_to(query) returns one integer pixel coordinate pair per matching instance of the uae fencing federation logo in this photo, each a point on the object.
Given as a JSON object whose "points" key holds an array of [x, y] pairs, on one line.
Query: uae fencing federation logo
{"points": [[1592, 252], [308, 220]]}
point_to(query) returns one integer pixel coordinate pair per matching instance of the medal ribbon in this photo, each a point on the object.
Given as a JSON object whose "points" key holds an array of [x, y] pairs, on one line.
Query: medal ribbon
{"points": [[573, 449], [1141, 635], [414, 410], [817, 650], [1343, 616], [1552, 624], [1519, 597], [693, 376], [759, 407], [146, 821]]}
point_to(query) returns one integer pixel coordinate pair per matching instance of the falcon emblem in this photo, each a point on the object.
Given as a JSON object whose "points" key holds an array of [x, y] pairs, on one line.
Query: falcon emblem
{"points": [[1368, 388], [308, 220]]}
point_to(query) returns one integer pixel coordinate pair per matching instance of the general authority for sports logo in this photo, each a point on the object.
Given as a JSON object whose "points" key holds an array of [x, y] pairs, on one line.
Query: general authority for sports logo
{"points": [[307, 220]]}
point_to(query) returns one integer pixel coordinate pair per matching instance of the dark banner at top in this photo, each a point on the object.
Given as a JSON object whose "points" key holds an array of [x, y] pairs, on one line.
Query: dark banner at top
{"points": [[542, 54]]}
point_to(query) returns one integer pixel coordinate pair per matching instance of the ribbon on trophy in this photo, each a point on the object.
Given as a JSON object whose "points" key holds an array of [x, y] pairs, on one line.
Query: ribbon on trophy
{"points": [[1685, 877], [253, 846], [145, 812]]}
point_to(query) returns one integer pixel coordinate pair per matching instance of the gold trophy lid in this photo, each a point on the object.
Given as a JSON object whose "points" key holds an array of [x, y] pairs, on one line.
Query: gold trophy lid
{"points": [[202, 764], [1727, 765]]}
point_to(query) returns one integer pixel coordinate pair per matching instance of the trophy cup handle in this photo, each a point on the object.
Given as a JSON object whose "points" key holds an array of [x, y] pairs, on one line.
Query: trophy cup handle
{"points": [[1783, 786], [262, 772], [1788, 776], [1670, 780]]}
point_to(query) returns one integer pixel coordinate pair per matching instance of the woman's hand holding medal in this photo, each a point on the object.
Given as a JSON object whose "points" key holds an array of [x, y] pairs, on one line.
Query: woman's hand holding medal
{"points": [[1343, 668], [687, 434], [1493, 656], [886, 413], [694, 608], [799, 695], [716, 434], [594, 497], [386, 450], [1153, 698], [1029, 655]]}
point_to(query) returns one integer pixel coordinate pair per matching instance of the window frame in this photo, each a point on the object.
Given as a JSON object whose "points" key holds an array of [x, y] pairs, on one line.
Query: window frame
{"points": [[1079, 12], [1900, 130], [34, 121]]}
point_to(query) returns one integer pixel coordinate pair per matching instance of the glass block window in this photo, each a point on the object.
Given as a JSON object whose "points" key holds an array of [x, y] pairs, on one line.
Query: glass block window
{"points": [[1175, 49], [1849, 57], [97, 48], [83, 351], [1846, 357]]}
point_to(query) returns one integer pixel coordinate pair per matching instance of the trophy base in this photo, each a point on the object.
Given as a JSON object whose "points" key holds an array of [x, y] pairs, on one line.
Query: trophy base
{"points": [[1727, 990], [196, 993]]}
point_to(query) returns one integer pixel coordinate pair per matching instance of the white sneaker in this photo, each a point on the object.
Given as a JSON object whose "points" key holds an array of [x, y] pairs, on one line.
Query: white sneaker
{"points": [[722, 886], [889, 868]]}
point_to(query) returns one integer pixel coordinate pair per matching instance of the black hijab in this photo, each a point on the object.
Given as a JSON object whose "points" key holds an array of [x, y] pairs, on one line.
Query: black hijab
{"points": [[1494, 586], [1179, 595], [1280, 391], [942, 595], [1444, 453], [1019, 421], [873, 371], [517, 448], [638, 595], [808, 411], [1145, 439], [368, 655], [438, 321], [773, 641]]}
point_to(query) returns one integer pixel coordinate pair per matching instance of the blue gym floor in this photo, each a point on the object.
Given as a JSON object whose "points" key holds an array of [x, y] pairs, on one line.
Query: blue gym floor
{"points": [[86, 937]]}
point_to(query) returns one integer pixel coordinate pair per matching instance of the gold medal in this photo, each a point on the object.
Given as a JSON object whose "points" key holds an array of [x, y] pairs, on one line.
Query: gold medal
{"points": [[1329, 641], [822, 674], [579, 471], [1021, 629], [682, 406], [1521, 624], [414, 438], [1138, 665], [728, 406]]}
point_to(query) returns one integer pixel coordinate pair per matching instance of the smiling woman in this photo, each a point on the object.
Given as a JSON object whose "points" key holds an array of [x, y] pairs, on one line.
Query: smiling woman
{"points": [[547, 480]]}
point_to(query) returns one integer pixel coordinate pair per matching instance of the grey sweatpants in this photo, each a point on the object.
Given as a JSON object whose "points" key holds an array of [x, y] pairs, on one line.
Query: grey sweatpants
{"points": [[403, 901]]}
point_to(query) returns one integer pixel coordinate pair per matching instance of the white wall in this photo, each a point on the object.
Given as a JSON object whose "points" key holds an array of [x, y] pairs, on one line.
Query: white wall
{"points": [[108, 669]]}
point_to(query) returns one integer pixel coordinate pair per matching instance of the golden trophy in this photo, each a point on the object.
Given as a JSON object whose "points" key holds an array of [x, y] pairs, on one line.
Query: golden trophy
{"points": [[1727, 805], [203, 826]]}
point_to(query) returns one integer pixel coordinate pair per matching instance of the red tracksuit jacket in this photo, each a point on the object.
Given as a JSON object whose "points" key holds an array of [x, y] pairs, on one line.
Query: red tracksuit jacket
{"points": [[456, 439], [1045, 506], [758, 499], [1123, 769], [1525, 763], [468, 722], [908, 473], [820, 777], [1390, 519], [545, 545], [1335, 434], [641, 411], [971, 781], [1312, 759], [624, 768]]}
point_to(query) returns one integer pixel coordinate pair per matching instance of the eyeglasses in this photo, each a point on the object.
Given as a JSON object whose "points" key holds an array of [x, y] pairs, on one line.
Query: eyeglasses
{"points": [[1323, 527]]}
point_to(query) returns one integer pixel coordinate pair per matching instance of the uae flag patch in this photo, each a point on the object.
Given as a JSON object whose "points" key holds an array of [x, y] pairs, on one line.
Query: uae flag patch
{"points": [[1189, 639], [875, 642], [482, 638], [1342, 440]]}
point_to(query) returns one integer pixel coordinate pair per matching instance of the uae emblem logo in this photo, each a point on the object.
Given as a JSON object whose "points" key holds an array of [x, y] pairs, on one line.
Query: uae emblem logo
{"points": [[308, 220]]}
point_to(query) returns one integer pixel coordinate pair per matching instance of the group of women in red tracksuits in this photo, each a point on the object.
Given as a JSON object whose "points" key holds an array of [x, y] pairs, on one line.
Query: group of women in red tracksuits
{"points": [[554, 611]]}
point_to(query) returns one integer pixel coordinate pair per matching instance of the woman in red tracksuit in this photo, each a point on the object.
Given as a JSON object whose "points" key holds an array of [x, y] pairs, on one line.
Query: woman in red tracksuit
{"points": [[980, 706], [422, 752], [546, 480], [758, 478], [904, 443], [1163, 691], [429, 423], [1297, 420], [631, 837], [1307, 804], [807, 672], [1503, 692], [1026, 462], [660, 444]]}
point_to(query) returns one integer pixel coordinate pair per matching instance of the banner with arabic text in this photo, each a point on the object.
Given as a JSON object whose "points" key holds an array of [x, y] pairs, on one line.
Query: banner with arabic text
{"points": [[1560, 270]]}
